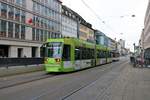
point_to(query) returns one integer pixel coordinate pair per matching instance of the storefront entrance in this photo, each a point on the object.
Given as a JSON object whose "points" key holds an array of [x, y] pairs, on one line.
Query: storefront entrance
{"points": [[3, 51]]}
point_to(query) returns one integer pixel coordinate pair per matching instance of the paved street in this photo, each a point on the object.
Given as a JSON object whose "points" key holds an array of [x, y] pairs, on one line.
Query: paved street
{"points": [[116, 81], [9, 81]]}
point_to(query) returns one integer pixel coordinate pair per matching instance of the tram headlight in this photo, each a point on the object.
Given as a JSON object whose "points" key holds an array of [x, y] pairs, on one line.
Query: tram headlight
{"points": [[46, 60], [57, 60]]}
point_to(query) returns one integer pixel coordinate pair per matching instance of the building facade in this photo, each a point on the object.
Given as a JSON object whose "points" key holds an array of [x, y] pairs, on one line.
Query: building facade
{"points": [[112, 44], [26, 24], [146, 32], [141, 41], [119, 47], [122, 43], [101, 38], [86, 32], [69, 22]]}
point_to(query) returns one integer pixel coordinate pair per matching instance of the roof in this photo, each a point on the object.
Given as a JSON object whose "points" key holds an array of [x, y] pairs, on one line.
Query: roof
{"points": [[70, 13]]}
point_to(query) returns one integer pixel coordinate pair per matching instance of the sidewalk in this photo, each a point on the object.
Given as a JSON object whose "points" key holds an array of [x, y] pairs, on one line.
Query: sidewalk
{"points": [[14, 80], [13, 70], [130, 84]]}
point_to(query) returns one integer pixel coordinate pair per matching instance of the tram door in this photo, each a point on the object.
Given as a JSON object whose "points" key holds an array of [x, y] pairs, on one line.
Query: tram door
{"points": [[66, 57], [78, 57]]}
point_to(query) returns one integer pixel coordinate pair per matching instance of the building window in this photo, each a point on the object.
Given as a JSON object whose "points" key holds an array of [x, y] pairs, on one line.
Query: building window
{"points": [[17, 14], [17, 30], [10, 29], [46, 11], [45, 35], [42, 22], [3, 10], [11, 1], [34, 50], [23, 3], [34, 20], [10, 12], [34, 6], [45, 22], [4, 51], [38, 9], [42, 35], [48, 24], [33, 34], [37, 21], [22, 32], [23, 17], [49, 35], [49, 13], [53, 15], [43, 10], [46, 1], [18, 2], [37, 34], [3, 28], [20, 52], [52, 25]]}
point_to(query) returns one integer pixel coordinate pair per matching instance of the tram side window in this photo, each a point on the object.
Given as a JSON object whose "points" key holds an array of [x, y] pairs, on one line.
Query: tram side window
{"points": [[77, 53], [110, 54], [88, 54], [98, 54], [84, 53], [103, 54], [66, 52], [92, 52], [107, 54]]}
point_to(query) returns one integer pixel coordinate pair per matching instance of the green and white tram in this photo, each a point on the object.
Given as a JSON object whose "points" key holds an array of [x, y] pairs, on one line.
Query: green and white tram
{"points": [[115, 56], [103, 55], [109, 55], [70, 54]]}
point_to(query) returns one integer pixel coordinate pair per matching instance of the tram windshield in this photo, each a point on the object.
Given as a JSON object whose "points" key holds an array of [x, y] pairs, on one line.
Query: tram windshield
{"points": [[54, 50]]}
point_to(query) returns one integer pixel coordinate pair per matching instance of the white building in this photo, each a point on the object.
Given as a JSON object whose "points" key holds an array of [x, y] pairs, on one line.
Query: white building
{"points": [[26, 24], [119, 47], [69, 22], [112, 44], [122, 43], [144, 42], [146, 32]]}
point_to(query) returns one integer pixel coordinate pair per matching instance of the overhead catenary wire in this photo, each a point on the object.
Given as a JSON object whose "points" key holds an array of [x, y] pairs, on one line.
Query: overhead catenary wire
{"points": [[98, 17]]}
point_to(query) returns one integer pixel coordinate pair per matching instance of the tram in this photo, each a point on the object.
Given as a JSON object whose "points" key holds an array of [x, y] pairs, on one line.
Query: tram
{"points": [[115, 56], [71, 54], [103, 55]]}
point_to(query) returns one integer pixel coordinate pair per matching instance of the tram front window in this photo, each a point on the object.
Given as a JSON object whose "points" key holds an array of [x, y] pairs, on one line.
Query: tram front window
{"points": [[54, 50]]}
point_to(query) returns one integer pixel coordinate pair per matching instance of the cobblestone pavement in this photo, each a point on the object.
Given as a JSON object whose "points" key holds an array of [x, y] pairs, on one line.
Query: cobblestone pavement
{"points": [[115, 81], [130, 84]]}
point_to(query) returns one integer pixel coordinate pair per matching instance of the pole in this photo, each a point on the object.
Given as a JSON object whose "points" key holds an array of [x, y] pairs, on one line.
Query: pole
{"points": [[134, 47]]}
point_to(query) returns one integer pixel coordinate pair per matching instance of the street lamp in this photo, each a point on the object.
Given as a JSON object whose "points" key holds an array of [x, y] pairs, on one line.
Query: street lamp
{"points": [[127, 15], [134, 47], [133, 16]]}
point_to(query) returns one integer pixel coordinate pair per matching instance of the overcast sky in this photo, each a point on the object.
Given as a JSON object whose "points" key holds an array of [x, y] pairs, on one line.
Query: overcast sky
{"points": [[115, 17]]}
